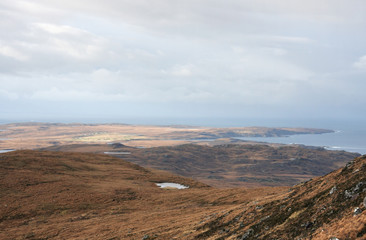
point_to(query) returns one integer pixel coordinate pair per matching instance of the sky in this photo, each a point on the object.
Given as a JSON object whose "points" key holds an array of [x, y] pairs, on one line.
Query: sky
{"points": [[122, 59]]}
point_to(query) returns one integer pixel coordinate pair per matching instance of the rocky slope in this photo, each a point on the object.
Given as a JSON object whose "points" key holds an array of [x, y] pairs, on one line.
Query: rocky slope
{"points": [[329, 207]]}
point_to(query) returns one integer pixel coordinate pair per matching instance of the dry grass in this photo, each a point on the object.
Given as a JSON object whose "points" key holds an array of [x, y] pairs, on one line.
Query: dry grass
{"points": [[56, 195], [77, 196]]}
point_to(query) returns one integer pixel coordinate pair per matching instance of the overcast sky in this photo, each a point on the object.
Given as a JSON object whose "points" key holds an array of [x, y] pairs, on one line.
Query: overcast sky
{"points": [[191, 58]]}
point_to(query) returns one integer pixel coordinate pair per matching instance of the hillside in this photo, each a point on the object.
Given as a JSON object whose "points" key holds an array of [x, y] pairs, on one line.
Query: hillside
{"points": [[329, 207], [230, 165], [56, 195]]}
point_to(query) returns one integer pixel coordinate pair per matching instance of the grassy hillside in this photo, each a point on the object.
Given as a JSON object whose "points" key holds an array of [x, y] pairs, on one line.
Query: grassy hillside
{"points": [[329, 207], [56, 195]]}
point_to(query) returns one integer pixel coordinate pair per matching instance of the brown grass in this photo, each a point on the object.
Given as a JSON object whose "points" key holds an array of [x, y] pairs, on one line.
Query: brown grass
{"points": [[57, 195], [54, 195]]}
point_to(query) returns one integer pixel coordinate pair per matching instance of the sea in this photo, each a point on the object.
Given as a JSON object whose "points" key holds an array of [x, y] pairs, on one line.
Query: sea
{"points": [[348, 135]]}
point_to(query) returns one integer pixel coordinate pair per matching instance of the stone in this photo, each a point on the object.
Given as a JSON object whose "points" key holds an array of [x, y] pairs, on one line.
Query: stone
{"points": [[364, 202], [259, 207], [348, 194], [247, 234], [333, 190], [333, 238], [307, 225], [349, 164], [357, 211], [359, 187]]}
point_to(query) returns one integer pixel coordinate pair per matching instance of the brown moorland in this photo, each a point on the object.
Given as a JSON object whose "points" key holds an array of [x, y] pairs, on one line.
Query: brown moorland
{"points": [[57, 195], [229, 165]]}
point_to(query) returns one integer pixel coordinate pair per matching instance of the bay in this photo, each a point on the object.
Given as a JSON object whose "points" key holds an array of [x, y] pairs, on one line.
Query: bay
{"points": [[350, 140]]}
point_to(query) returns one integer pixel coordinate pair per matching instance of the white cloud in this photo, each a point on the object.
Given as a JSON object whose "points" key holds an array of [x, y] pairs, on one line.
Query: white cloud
{"points": [[55, 94], [8, 95], [60, 29], [69, 41], [180, 71], [12, 53], [281, 39], [361, 63]]}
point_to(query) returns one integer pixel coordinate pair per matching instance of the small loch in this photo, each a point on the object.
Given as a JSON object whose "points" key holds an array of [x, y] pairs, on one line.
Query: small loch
{"points": [[171, 185], [6, 150], [117, 153]]}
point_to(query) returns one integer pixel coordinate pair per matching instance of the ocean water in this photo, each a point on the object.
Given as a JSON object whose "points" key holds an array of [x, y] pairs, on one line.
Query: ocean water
{"points": [[349, 135], [347, 140]]}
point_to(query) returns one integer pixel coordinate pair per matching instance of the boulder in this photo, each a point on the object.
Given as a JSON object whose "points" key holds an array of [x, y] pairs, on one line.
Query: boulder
{"points": [[333, 190], [357, 211]]}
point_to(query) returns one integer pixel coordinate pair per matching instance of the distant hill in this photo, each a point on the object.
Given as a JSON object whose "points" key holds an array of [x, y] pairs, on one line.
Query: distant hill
{"points": [[230, 165], [39, 135]]}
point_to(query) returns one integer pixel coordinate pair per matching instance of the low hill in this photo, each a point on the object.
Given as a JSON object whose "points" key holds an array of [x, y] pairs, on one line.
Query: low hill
{"points": [[230, 165]]}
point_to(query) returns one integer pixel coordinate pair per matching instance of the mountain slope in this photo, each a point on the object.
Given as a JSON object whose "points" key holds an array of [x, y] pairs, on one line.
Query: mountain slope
{"points": [[326, 207]]}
